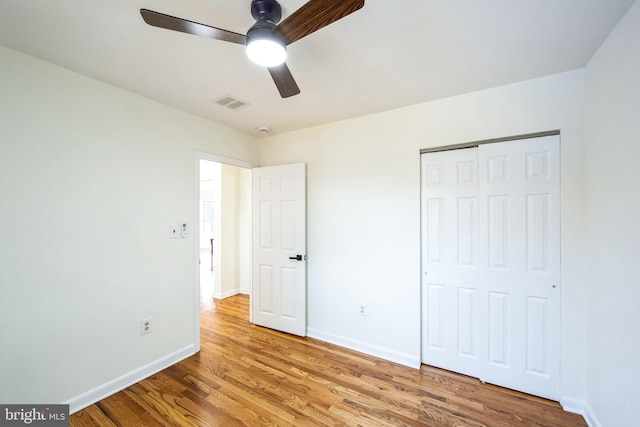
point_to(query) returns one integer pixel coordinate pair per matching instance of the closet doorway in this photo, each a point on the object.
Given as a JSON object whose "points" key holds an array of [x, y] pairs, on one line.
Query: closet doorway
{"points": [[491, 262]]}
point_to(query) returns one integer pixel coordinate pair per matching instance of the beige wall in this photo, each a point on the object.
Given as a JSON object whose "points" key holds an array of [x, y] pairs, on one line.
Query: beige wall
{"points": [[235, 232]]}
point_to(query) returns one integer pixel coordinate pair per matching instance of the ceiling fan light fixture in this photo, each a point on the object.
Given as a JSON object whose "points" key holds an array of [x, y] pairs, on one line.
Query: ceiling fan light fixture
{"points": [[265, 48], [267, 39]]}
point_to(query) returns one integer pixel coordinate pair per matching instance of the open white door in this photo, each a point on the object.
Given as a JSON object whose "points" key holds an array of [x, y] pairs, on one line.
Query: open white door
{"points": [[279, 293]]}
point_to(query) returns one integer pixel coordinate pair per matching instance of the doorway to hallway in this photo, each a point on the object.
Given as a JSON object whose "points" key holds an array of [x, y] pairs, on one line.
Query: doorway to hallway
{"points": [[224, 240]]}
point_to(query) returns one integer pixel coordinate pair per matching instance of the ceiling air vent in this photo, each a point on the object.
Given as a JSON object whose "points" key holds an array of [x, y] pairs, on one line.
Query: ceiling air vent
{"points": [[230, 102]]}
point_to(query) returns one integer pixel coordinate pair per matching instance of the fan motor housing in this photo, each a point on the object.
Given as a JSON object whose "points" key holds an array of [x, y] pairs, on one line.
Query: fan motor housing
{"points": [[268, 10]]}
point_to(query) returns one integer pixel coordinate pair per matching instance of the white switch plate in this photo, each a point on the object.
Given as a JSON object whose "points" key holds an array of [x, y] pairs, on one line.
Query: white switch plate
{"points": [[173, 232]]}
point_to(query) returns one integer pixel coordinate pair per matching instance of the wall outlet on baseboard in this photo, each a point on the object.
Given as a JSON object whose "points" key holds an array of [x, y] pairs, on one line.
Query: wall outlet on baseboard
{"points": [[145, 326]]}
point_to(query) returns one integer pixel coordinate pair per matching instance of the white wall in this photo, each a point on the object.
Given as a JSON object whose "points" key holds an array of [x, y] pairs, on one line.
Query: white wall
{"points": [[613, 226], [364, 212], [91, 177]]}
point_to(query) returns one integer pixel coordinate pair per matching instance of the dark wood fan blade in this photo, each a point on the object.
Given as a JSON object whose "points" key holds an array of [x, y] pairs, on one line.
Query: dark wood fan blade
{"points": [[284, 80], [168, 22], [313, 15]]}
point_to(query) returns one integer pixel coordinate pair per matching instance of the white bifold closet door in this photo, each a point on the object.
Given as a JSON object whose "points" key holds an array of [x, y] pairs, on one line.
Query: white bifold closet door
{"points": [[491, 263]]}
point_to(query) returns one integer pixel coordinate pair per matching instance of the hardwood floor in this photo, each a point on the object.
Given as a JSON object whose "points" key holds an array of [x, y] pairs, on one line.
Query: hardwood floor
{"points": [[247, 375]]}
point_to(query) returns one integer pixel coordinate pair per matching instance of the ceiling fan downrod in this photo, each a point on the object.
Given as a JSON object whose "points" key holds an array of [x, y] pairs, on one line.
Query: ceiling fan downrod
{"points": [[268, 10]]}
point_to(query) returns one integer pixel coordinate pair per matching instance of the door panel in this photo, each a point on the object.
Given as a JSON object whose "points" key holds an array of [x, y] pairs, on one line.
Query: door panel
{"points": [[497, 232], [498, 339], [467, 322], [278, 298], [450, 260], [520, 217]]}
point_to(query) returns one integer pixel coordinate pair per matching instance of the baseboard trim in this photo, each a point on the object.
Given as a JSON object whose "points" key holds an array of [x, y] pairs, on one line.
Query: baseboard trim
{"points": [[381, 352], [590, 417], [228, 294], [580, 407], [570, 404], [92, 396]]}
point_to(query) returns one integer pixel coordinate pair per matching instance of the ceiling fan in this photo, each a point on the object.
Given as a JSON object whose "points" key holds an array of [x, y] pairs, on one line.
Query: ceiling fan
{"points": [[266, 40]]}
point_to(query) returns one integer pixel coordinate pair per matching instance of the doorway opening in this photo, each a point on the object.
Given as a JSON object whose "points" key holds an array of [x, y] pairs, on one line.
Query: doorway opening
{"points": [[209, 196], [224, 229], [226, 221]]}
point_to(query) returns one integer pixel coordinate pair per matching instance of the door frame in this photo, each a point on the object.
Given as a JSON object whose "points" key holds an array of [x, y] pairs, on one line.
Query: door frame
{"points": [[201, 155], [490, 141]]}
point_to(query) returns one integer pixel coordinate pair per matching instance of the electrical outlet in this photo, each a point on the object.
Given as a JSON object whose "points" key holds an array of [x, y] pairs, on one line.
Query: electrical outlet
{"points": [[362, 309], [145, 326]]}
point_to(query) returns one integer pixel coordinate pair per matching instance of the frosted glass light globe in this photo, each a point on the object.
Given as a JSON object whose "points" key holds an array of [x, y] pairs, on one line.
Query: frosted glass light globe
{"points": [[266, 52]]}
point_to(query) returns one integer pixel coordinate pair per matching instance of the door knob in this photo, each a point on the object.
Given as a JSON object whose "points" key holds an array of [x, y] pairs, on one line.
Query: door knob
{"points": [[297, 257]]}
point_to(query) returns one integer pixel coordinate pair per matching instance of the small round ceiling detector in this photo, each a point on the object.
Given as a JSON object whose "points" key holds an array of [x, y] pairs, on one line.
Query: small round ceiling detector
{"points": [[264, 130]]}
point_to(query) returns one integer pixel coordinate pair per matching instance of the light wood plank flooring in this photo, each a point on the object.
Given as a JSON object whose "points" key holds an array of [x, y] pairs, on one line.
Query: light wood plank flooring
{"points": [[247, 375]]}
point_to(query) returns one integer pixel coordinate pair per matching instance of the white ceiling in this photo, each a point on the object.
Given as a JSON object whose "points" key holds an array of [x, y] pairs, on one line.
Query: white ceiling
{"points": [[387, 55]]}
